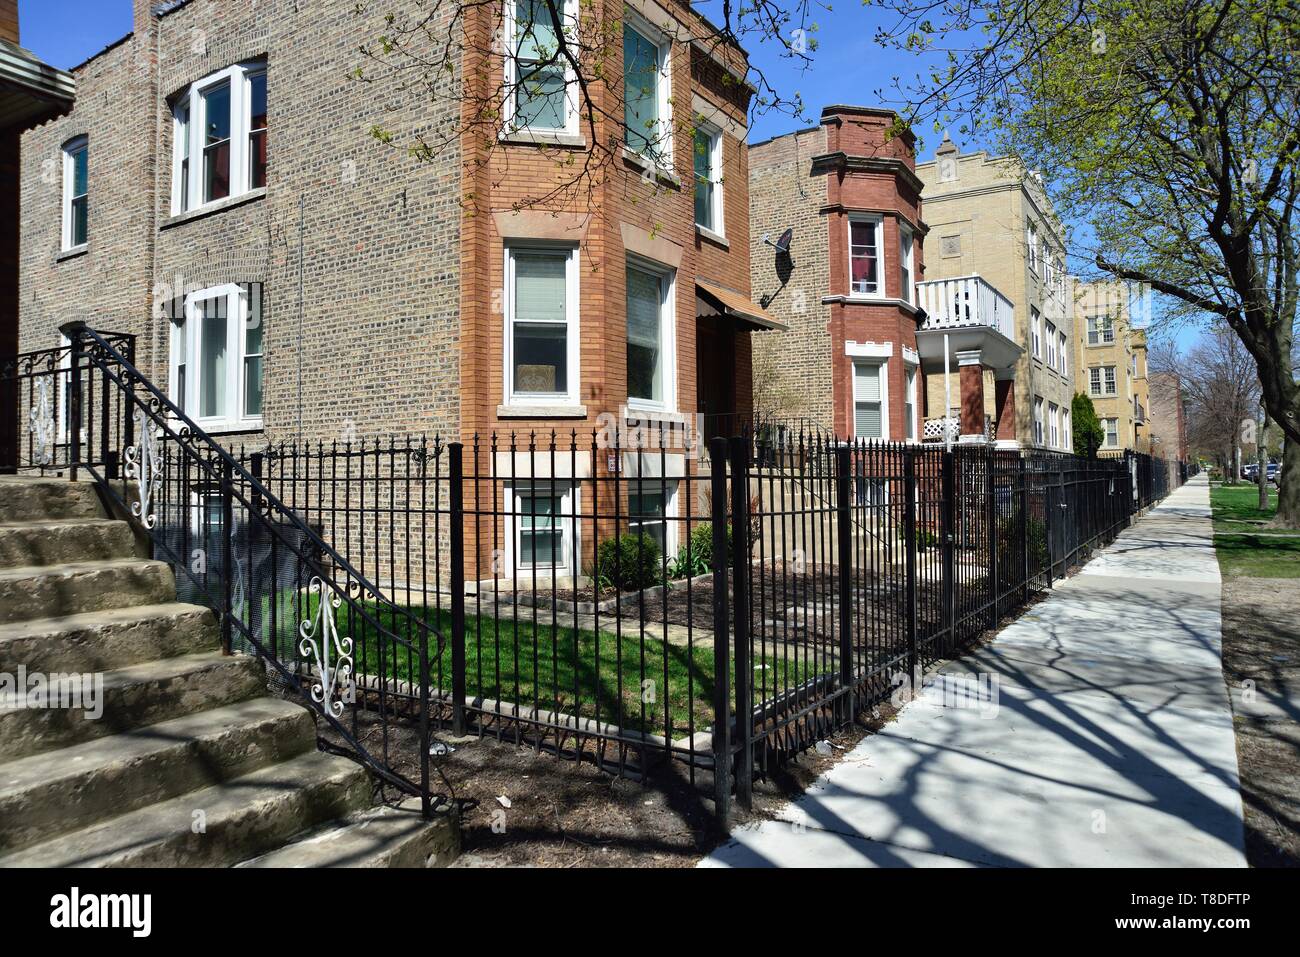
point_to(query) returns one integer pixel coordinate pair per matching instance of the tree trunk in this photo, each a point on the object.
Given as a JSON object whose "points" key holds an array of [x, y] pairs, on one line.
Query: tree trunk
{"points": [[1288, 496], [1261, 459]]}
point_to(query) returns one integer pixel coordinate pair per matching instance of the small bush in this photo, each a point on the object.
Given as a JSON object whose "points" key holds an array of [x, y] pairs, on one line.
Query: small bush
{"points": [[1009, 541], [702, 546], [629, 562]]}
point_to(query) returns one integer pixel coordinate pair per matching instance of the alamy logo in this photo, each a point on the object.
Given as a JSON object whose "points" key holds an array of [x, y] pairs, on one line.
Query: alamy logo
{"points": [[74, 910], [35, 690]]}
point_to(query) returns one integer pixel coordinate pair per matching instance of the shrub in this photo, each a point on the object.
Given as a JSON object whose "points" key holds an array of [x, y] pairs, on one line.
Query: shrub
{"points": [[1009, 541], [629, 562]]}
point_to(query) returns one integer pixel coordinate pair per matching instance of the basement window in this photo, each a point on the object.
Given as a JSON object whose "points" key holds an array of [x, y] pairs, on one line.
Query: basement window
{"points": [[220, 133]]}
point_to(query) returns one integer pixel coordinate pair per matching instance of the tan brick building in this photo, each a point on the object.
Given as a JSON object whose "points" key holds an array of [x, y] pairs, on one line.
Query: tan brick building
{"points": [[846, 287], [1111, 365], [995, 246]]}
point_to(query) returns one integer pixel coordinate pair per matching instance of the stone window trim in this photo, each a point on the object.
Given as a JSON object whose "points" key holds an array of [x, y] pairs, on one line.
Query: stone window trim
{"points": [[212, 209], [69, 152], [190, 146], [521, 518], [549, 405], [566, 135]]}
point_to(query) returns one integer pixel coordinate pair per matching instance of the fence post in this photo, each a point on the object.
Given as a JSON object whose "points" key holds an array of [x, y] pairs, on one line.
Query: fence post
{"points": [[991, 483], [456, 498], [744, 674], [74, 331], [909, 545], [947, 534], [844, 545], [228, 559], [721, 629], [1024, 530], [1049, 507]]}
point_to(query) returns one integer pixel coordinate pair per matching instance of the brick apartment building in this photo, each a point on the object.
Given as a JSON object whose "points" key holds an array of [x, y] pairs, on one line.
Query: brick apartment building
{"points": [[1111, 364], [997, 260], [846, 287], [288, 275]]}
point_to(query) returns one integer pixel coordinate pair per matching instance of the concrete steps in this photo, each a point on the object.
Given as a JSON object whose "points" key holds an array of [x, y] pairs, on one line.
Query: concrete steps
{"points": [[171, 754]]}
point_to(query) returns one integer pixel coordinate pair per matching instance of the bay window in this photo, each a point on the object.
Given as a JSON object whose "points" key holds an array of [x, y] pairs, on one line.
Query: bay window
{"points": [[539, 82], [541, 333], [905, 260], [864, 256], [220, 130], [76, 189], [650, 336], [216, 357], [909, 404]]}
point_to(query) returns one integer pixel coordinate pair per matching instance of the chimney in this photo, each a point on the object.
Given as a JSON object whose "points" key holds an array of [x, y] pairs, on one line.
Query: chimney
{"points": [[9, 20], [143, 15]]}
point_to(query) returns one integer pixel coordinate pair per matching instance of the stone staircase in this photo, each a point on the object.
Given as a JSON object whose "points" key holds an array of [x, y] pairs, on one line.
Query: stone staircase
{"points": [[190, 762]]}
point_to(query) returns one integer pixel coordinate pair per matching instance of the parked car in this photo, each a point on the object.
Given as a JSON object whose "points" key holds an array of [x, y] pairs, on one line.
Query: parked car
{"points": [[1274, 473], [1249, 471]]}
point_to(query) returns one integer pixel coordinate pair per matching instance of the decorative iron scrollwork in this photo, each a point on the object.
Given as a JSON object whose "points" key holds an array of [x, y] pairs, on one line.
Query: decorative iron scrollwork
{"points": [[41, 421], [142, 463], [331, 654]]}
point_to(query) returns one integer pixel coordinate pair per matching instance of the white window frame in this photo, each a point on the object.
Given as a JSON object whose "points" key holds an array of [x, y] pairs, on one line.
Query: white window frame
{"points": [[669, 487], [1094, 381], [569, 495], [911, 373], [239, 77], [1031, 242], [664, 159], [1050, 335], [238, 314], [907, 261], [1107, 330], [1106, 425], [1110, 380], [1063, 349], [877, 224], [717, 208], [667, 333], [573, 332], [70, 149], [1067, 434], [1036, 332], [883, 366], [1038, 420], [510, 26], [1054, 424]]}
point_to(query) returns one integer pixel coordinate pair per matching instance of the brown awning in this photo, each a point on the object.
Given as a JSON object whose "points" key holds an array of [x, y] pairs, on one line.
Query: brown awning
{"points": [[733, 304]]}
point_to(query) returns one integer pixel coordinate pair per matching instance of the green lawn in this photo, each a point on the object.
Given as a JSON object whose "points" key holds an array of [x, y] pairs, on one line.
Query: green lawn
{"points": [[1245, 548], [610, 678]]}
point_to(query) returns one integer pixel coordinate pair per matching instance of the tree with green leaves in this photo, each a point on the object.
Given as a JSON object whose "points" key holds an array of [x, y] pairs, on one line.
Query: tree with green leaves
{"points": [[1169, 133], [1088, 433]]}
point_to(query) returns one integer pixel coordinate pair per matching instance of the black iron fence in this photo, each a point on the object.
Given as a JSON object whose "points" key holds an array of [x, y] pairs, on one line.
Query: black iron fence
{"points": [[626, 595]]}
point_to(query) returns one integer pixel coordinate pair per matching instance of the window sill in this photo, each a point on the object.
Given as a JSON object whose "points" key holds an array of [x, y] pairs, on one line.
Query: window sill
{"points": [[517, 411], [632, 158], [544, 138], [227, 427], [72, 253], [716, 238], [636, 413], [220, 206]]}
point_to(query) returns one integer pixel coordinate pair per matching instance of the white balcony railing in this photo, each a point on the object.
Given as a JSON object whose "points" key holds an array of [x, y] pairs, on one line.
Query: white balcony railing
{"points": [[963, 302]]}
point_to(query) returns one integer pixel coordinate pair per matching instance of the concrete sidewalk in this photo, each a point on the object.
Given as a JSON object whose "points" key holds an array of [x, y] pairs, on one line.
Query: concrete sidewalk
{"points": [[1111, 742]]}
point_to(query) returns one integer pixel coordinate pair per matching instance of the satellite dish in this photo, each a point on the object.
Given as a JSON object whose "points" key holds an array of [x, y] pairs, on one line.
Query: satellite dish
{"points": [[782, 245]]}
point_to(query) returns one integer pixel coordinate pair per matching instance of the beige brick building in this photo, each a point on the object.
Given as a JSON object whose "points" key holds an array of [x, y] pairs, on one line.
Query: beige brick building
{"points": [[993, 236], [1111, 364]]}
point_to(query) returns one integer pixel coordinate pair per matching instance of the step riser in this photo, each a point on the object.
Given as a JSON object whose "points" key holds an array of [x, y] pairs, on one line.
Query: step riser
{"points": [[69, 803], [25, 501], [53, 544], [25, 731], [255, 829], [101, 647], [92, 589]]}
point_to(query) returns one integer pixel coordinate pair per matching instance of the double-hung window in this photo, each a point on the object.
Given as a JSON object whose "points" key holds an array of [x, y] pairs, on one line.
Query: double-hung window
{"points": [[1031, 242], [541, 332], [1112, 432], [864, 256], [647, 111], [1036, 332], [539, 81], [1094, 380], [650, 336], [906, 293], [1054, 422], [1051, 345], [76, 188], [869, 401], [649, 507], [543, 528], [1094, 330], [708, 179], [220, 132], [1062, 354], [216, 357], [1107, 329], [1109, 372], [1038, 421], [909, 403]]}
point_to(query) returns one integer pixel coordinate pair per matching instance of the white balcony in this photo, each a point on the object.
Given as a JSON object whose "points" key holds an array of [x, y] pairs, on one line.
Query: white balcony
{"points": [[966, 314], [966, 301]]}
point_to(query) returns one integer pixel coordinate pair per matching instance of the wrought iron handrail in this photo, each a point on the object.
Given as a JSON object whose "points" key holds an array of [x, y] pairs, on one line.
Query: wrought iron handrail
{"points": [[150, 415]]}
